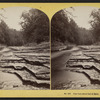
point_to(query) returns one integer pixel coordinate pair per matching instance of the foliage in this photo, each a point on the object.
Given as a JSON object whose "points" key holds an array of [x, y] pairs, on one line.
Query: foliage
{"points": [[4, 36], [63, 28], [95, 23], [35, 26]]}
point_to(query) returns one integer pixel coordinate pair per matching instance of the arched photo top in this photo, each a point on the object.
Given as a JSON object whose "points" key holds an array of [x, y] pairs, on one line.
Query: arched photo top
{"points": [[81, 14], [24, 25], [14, 15], [72, 24]]}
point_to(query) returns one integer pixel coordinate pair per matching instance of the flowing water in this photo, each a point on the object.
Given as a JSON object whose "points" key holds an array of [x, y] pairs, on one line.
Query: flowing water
{"points": [[78, 68]]}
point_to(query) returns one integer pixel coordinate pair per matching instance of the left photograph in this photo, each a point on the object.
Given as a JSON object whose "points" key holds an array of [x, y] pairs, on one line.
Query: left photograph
{"points": [[24, 49]]}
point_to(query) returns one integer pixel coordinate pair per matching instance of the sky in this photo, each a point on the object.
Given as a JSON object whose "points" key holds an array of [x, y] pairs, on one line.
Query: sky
{"points": [[82, 15], [12, 16]]}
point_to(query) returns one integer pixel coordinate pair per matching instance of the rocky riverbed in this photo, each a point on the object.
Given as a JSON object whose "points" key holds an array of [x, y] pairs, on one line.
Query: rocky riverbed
{"points": [[25, 67], [78, 68]]}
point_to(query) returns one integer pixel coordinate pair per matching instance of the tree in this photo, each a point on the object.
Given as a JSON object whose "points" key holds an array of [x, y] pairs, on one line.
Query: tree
{"points": [[95, 23], [16, 37], [63, 28], [4, 36], [85, 36], [35, 26]]}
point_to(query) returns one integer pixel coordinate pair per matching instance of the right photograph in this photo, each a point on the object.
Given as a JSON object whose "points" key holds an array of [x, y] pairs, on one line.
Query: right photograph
{"points": [[75, 48]]}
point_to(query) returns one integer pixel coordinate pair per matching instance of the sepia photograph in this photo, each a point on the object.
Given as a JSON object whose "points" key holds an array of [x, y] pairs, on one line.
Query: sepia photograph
{"points": [[24, 49], [75, 48]]}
